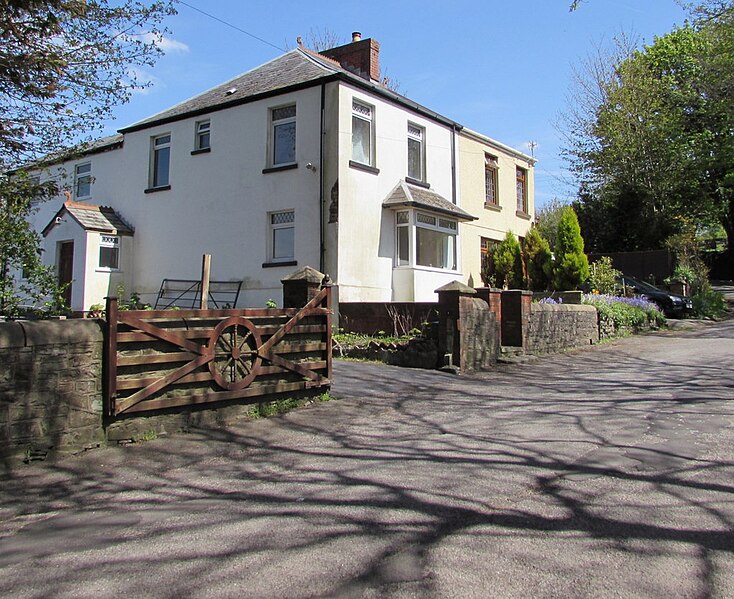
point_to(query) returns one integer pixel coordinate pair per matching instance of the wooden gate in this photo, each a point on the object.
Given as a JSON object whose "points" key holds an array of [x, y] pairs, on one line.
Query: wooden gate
{"points": [[174, 358]]}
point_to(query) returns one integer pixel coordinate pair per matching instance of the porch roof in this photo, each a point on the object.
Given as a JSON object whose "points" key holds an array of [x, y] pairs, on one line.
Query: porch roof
{"points": [[91, 218], [407, 195]]}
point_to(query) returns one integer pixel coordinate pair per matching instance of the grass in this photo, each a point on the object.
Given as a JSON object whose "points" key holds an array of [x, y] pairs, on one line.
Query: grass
{"points": [[281, 406]]}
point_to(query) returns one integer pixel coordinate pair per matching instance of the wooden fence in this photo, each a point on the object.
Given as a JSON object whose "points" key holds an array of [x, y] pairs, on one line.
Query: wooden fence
{"points": [[164, 359]]}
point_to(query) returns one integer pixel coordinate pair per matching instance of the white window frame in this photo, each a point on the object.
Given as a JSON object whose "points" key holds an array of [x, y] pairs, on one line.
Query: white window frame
{"points": [[288, 221], [83, 178], [159, 143], [364, 113], [412, 220], [203, 135], [276, 122], [417, 134], [109, 241]]}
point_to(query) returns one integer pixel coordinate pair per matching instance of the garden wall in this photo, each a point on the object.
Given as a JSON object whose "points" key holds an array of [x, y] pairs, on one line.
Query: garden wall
{"points": [[50, 386], [553, 328], [51, 394]]}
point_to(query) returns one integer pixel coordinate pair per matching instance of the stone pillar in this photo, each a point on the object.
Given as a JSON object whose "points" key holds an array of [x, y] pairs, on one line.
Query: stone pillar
{"points": [[449, 344], [516, 306], [302, 286]]}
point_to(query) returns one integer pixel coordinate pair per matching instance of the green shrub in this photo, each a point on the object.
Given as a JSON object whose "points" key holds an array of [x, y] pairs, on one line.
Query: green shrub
{"points": [[625, 312], [571, 267], [708, 303], [538, 260], [603, 276], [507, 262]]}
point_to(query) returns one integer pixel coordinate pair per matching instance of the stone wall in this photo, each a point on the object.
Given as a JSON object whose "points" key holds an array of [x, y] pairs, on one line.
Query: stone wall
{"points": [[479, 335], [50, 387], [554, 328]]}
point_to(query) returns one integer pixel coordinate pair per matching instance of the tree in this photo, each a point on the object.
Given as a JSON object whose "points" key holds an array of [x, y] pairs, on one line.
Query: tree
{"points": [[571, 267], [507, 263], [546, 220], [538, 260], [650, 140], [64, 64]]}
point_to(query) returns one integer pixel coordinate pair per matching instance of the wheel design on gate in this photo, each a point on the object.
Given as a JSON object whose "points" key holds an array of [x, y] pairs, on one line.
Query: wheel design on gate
{"points": [[234, 347]]}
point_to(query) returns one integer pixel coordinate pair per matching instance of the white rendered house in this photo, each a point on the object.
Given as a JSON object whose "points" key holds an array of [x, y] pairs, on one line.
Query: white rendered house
{"points": [[305, 160]]}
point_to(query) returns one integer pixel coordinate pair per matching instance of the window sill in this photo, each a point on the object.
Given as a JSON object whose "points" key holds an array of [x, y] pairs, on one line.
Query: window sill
{"points": [[364, 167], [523, 215], [201, 151], [492, 207], [418, 183], [282, 167], [276, 264], [156, 189], [427, 269], [104, 269]]}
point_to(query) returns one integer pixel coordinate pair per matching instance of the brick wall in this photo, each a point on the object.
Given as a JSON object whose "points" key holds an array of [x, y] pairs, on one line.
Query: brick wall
{"points": [[557, 327]]}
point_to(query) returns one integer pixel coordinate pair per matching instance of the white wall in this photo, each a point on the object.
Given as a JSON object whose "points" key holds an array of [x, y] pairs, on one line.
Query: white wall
{"points": [[366, 229], [218, 201]]}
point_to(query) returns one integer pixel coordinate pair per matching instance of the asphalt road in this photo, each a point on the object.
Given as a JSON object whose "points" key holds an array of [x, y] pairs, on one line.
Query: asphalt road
{"points": [[607, 472]]}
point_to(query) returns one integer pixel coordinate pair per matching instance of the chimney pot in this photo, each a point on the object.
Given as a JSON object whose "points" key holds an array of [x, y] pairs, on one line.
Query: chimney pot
{"points": [[356, 36]]}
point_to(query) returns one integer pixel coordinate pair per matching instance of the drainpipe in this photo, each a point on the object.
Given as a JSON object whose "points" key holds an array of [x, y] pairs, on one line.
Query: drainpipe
{"points": [[454, 132], [322, 248]]}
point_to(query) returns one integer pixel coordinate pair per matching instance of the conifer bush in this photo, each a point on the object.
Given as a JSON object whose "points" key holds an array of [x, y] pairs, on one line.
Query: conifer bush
{"points": [[571, 266]]}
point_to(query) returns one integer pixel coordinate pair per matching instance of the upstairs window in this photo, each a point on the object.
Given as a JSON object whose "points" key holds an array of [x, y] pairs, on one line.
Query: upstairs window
{"points": [[160, 163], [109, 252], [283, 122], [416, 152], [362, 134], [83, 180], [521, 179], [203, 136], [491, 168]]}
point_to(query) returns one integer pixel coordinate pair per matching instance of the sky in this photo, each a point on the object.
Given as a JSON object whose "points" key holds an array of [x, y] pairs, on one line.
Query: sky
{"points": [[502, 68]]}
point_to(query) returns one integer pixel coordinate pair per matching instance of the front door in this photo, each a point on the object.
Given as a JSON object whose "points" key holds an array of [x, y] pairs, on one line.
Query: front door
{"points": [[66, 268]]}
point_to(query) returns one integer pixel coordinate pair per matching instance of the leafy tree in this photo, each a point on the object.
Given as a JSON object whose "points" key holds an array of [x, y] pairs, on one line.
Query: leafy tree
{"points": [[571, 267], [538, 260], [64, 64], [650, 141], [507, 263], [546, 220]]}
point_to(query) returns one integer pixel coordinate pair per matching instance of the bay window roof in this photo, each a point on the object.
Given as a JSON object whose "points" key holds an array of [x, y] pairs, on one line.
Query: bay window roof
{"points": [[406, 195]]}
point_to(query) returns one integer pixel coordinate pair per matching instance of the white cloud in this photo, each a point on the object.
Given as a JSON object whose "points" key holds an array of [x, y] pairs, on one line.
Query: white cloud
{"points": [[167, 44], [143, 77]]}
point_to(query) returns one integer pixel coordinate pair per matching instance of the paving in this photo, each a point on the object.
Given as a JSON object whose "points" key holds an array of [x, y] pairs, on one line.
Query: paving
{"points": [[606, 472]]}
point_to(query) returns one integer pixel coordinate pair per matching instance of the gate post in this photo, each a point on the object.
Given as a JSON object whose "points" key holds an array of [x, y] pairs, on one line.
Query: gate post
{"points": [[301, 287], [449, 339], [109, 361]]}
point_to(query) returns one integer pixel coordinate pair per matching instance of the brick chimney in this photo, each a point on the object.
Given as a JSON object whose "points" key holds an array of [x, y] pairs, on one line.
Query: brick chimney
{"points": [[360, 56]]}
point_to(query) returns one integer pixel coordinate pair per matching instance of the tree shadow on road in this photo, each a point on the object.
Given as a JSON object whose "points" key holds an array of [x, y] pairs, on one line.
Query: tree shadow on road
{"points": [[585, 474]]}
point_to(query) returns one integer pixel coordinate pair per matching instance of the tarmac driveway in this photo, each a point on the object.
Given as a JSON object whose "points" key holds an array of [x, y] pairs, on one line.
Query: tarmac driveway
{"points": [[607, 472]]}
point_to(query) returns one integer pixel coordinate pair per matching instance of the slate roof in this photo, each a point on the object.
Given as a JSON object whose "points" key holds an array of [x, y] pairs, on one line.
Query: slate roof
{"points": [[296, 69], [92, 218], [405, 194]]}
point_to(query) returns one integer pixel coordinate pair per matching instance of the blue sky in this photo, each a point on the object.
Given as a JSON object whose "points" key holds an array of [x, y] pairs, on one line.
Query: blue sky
{"points": [[502, 68]]}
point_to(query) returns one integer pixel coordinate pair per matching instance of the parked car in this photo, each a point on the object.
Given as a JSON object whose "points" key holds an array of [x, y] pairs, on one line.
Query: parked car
{"points": [[671, 304]]}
